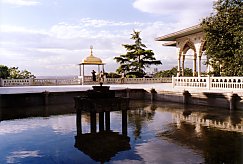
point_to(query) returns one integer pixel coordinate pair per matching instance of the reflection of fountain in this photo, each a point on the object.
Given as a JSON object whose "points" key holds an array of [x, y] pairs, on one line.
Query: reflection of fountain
{"points": [[102, 145]]}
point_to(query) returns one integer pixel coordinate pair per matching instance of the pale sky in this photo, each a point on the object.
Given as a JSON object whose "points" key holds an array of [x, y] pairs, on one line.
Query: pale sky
{"points": [[51, 37]]}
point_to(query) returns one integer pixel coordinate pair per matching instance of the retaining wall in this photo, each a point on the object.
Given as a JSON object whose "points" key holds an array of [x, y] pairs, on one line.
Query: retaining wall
{"points": [[221, 100]]}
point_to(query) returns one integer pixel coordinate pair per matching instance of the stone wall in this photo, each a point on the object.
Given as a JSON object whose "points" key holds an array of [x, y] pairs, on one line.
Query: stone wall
{"points": [[221, 100]]}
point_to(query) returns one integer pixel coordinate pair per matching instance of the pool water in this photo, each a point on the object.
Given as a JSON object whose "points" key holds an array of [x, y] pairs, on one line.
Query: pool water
{"points": [[156, 133]]}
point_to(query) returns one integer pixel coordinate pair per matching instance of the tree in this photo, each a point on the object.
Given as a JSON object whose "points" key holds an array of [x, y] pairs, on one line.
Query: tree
{"points": [[173, 72], [14, 73], [137, 58], [224, 38], [4, 72]]}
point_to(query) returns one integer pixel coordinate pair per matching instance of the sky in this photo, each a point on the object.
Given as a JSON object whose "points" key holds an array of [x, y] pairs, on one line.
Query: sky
{"points": [[51, 37]]}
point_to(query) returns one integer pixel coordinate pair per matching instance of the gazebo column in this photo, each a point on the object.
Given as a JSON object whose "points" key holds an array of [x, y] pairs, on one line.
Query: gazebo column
{"points": [[98, 69], [80, 70], [183, 65], [179, 66], [83, 76], [199, 66], [195, 65]]}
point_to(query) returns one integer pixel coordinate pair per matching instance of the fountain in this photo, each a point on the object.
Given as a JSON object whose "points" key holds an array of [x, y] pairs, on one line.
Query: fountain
{"points": [[105, 143]]}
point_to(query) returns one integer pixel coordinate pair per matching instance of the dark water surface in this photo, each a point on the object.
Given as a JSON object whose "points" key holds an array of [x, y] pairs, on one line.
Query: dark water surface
{"points": [[156, 133]]}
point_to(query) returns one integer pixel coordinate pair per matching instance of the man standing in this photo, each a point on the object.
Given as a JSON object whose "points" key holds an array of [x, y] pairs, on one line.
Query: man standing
{"points": [[122, 77], [93, 75]]}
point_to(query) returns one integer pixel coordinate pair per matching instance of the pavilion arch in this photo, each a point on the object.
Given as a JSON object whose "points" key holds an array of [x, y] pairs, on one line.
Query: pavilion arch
{"points": [[202, 47], [191, 38], [185, 46]]}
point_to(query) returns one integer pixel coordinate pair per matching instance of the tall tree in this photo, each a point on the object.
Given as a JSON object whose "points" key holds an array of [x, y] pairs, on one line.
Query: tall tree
{"points": [[137, 58], [224, 38]]}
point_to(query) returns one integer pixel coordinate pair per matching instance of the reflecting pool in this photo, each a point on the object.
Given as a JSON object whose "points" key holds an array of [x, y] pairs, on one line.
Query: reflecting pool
{"points": [[156, 133]]}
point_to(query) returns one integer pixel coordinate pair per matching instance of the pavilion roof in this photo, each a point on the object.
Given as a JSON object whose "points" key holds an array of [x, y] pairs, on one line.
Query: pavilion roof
{"points": [[178, 34], [91, 59]]}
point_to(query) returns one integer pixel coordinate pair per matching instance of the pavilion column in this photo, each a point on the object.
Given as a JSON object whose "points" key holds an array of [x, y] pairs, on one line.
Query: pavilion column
{"points": [[83, 76], [179, 66], [199, 66], [80, 70], [208, 65], [195, 65], [98, 69], [183, 65]]}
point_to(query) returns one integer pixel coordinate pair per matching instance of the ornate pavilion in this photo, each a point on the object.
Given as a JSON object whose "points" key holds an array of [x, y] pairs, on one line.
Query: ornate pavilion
{"points": [[184, 40], [90, 60]]}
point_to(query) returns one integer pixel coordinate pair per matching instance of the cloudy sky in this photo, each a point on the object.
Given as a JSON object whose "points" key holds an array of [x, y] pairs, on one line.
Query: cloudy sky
{"points": [[50, 37]]}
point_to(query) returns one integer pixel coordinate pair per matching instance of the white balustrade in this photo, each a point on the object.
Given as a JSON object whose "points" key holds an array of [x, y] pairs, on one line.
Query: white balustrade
{"points": [[56, 81], [16, 82], [138, 80], [76, 81], [221, 83]]}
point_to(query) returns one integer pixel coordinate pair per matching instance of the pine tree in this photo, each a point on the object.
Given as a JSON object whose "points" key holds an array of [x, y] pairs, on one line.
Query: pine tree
{"points": [[137, 58]]}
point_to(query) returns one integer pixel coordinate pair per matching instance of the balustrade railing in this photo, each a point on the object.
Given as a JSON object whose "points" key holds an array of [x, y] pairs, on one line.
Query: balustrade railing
{"points": [[222, 83], [77, 81], [15, 82], [55, 82], [137, 80]]}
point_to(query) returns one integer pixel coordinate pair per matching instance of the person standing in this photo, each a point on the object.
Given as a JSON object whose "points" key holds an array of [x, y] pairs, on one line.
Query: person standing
{"points": [[101, 78], [93, 75], [122, 77]]}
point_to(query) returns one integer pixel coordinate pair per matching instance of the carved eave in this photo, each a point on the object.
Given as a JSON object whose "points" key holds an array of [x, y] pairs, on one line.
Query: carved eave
{"points": [[185, 32]]}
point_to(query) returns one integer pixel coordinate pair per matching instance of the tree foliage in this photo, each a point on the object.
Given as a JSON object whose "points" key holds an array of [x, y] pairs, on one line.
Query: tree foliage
{"points": [[4, 72], [173, 72], [137, 58], [14, 73], [224, 38]]}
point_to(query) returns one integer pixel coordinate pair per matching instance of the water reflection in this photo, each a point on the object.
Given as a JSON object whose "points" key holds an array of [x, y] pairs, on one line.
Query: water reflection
{"points": [[15, 156], [37, 111], [139, 116], [213, 120], [152, 133], [101, 146], [218, 137]]}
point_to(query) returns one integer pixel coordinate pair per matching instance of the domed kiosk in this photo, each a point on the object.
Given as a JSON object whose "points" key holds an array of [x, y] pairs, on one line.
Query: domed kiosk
{"points": [[90, 60]]}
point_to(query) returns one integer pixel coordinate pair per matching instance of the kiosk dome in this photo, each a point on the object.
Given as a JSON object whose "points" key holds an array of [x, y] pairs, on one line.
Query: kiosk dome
{"points": [[91, 59]]}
